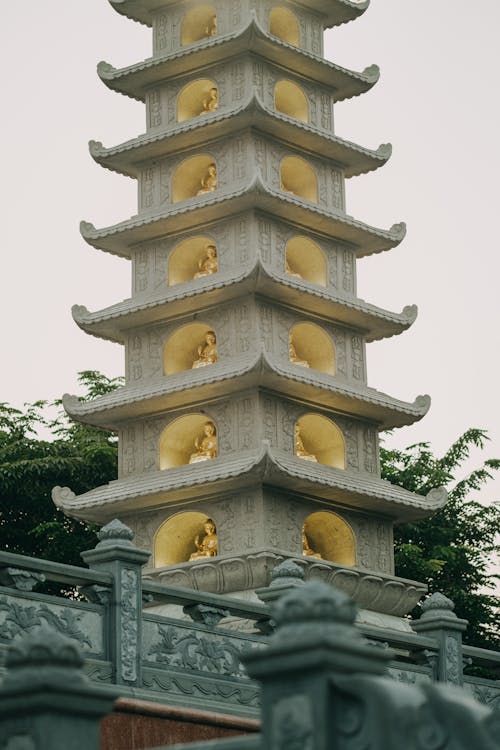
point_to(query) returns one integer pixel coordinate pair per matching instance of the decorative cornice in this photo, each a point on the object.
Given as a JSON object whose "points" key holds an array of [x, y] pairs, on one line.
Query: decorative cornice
{"points": [[134, 80], [234, 472], [124, 158], [257, 370], [375, 323], [334, 12], [119, 238]]}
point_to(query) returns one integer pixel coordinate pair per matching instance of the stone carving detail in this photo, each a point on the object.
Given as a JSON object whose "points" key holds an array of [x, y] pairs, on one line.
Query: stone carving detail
{"points": [[357, 357], [155, 361], [340, 352], [265, 240], [243, 240], [164, 183], [337, 189], [129, 451], [258, 78], [245, 424], [239, 158], [383, 547], [488, 696], [129, 619], [269, 421], [155, 109], [266, 327], [141, 270], [235, 13], [161, 32], [195, 651], [363, 546], [347, 272], [178, 684], [332, 267], [22, 580], [350, 431], [243, 329], [222, 415], [260, 155], [238, 81], [369, 450], [17, 619], [134, 351], [451, 655], [152, 429], [326, 112], [292, 723]]}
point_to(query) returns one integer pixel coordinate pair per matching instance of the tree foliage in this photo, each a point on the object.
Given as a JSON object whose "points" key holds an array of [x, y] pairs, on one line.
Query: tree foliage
{"points": [[451, 551], [70, 454]]}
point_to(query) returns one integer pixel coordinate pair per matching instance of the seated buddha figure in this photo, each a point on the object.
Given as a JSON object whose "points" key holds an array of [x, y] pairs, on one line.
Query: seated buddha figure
{"points": [[289, 270], [209, 182], [208, 264], [206, 448], [306, 550], [210, 102], [207, 352], [300, 451], [293, 355], [208, 545], [211, 27]]}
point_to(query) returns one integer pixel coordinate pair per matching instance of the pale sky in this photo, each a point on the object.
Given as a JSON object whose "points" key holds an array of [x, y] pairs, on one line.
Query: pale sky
{"points": [[437, 102]]}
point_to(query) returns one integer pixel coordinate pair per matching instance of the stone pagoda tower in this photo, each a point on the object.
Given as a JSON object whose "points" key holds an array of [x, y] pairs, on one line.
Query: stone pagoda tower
{"points": [[247, 432]]}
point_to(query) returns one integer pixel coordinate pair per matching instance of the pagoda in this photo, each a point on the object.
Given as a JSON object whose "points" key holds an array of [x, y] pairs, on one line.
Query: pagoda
{"points": [[247, 431]]}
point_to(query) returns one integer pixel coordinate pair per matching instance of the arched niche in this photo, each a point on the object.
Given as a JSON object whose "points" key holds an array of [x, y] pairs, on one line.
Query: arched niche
{"points": [[177, 441], [291, 100], [321, 438], [174, 540], [330, 536], [199, 23], [305, 259], [197, 98], [314, 346], [192, 258], [196, 175], [181, 348], [299, 178], [284, 24]]}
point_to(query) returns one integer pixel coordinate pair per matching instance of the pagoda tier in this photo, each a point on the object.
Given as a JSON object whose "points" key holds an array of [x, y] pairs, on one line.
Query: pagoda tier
{"points": [[128, 157], [246, 419], [120, 238], [241, 373], [135, 80], [330, 12], [372, 322]]}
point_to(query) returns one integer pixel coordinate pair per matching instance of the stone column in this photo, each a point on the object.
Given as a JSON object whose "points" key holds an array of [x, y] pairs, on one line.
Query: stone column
{"points": [[440, 622], [46, 701], [116, 554]]}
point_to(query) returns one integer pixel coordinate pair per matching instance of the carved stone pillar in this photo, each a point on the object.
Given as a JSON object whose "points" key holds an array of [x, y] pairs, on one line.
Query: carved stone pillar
{"points": [[116, 554], [46, 701], [440, 622]]}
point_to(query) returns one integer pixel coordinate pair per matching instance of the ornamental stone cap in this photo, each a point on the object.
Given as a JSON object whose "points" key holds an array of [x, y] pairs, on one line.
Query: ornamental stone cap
{"points": [[437, 605], [314, 602], [287, 572], [115, 532]]}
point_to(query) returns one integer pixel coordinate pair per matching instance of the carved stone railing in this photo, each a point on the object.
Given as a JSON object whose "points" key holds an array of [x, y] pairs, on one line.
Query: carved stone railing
{"points": [[183, 646]]}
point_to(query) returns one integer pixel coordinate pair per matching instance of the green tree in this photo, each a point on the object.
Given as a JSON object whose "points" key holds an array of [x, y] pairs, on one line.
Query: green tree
{"points": [[75, 455], [451, 551]]}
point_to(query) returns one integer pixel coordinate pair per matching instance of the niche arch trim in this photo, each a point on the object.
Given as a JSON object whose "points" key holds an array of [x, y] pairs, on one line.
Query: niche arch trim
{"points": [[194, 97], [198, 23], [176, 442], [331, 536], [180, 350], [322, 438], [173, 541], [284, 24], [299, 178], [290, 99], [186, 257], [306, 259], [188, 177], [315, 346]]}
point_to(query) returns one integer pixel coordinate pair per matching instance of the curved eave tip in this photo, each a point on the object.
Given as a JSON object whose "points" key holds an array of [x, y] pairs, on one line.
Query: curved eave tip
{"points": [[70, 403], [384, 151], [96, 149], [410, 312], [80, 314], [358, 5], [105, 70], [371, 73], [423, 404], [62, 497], [87, 229], [437, 498], [398, 231]]}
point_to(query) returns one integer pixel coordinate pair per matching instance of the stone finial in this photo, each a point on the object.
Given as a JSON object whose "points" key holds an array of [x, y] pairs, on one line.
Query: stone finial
{"points": [[287, 572], [437, 605], [115, 532], [315, 602], [42, 654]]}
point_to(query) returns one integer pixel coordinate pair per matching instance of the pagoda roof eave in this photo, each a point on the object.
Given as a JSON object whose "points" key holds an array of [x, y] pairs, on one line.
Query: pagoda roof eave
{"points": [[134, 80], [128, 158], [164, 394], [375, 323], [335, 12], [365, 240], [248, 469]]}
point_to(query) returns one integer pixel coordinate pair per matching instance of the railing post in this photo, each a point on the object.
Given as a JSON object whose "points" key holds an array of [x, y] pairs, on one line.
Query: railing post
{"points": [[440, 622], [46, 701], [116, 554]]}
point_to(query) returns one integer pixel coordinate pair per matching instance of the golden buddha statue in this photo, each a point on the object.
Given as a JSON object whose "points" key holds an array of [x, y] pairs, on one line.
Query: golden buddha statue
{"points": [[208, 264], [208, 545], [306, 550], [211, 27], [207, 447], [289, 270], [207, 352], [293, 355], [211, 102], [300, 451], [209, 182]]}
